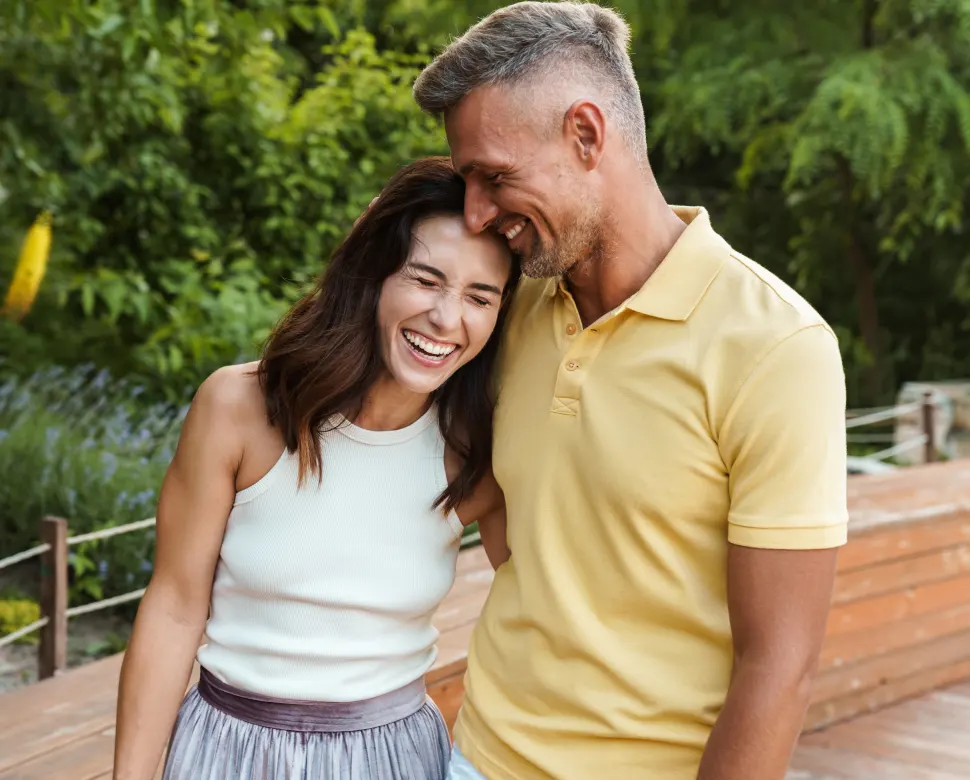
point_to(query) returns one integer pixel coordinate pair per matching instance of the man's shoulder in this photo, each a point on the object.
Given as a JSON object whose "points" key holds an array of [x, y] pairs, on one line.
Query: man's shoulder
{"points": [[747, 314], [749, 301]]}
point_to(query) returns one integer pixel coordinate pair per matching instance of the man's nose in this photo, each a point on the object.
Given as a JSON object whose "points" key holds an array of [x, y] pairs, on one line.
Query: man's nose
{"points": [[479, 208]]}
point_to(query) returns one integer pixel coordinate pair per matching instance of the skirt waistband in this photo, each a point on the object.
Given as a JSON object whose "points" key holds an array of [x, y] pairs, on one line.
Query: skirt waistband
{"points": [[311, 716]]}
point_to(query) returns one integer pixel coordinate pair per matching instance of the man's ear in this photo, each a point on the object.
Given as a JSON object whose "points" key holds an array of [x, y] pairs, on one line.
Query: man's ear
{"points": [[585, 124]]}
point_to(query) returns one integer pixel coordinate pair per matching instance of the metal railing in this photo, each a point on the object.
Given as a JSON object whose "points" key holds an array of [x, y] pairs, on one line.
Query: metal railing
{"points": [[53, 552]]}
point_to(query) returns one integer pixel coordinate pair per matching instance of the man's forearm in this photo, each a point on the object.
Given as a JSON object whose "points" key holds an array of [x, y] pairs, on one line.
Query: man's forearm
{"points": [[757, 730]]}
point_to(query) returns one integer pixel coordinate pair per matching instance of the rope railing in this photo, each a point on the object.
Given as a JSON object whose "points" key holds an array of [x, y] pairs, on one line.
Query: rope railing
{"points": [[53, 650], [899, 449], [55, 541], [40, 549], [94, 606], [883, 415], [104, 533], [52, 656], [927, 439], [9, 639], [107, 533]]}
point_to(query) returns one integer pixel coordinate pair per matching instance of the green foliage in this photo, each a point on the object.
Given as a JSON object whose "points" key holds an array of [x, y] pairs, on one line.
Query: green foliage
{"points": [[841, 133], [199, 172], [110, 644], [203, 158], [81, 446]]}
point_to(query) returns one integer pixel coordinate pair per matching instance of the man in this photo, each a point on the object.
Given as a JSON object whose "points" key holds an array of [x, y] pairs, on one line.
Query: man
{"points": [[669, 436]]}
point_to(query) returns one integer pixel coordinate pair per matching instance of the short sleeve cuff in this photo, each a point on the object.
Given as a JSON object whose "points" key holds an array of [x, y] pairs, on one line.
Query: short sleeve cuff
{"points": [[815, 537]]}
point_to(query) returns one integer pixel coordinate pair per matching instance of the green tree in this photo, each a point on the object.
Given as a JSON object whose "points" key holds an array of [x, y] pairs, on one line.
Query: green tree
{"points": [[837, 135], [203, 157], [199, 170]]}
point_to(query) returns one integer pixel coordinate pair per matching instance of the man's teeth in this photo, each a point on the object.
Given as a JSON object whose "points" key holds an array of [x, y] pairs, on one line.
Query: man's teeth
{"points": [[429, 347], [514, 231]]}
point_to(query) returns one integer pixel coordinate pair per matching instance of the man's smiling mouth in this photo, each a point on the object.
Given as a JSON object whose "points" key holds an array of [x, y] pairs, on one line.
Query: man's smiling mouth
{"points": [[513, 231]]}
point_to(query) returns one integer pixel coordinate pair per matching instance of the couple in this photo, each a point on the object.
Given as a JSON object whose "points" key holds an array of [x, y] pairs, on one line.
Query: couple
{"points": [[668, 448]]}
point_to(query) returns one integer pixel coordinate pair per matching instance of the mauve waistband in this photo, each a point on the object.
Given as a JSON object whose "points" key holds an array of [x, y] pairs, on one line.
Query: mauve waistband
{"points": [[311, 716]]}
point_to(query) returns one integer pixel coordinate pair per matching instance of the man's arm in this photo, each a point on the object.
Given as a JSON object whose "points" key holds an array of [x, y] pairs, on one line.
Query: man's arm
{"points": [[783, 442], [779, 603]]}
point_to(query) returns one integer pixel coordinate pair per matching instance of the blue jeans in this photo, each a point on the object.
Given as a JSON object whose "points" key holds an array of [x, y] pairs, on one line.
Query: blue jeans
{"points": [[460, 768]]}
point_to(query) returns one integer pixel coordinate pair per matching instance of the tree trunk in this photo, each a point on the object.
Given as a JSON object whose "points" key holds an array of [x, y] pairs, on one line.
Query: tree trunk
{"points": [[859, 259], [865, 288], [865, 295]]}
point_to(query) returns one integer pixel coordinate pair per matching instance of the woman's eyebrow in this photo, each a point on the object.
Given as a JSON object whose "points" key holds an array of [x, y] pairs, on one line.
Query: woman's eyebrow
{"points": [[430, 269], [486, 288], [439, 274]]}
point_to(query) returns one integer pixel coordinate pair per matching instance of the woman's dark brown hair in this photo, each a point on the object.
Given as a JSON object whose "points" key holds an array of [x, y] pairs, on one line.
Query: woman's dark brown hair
{"points": [[325, 355]]}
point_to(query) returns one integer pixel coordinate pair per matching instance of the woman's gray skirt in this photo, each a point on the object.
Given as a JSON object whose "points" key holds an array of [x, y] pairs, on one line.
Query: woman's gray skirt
{"points": [[223, 733]]}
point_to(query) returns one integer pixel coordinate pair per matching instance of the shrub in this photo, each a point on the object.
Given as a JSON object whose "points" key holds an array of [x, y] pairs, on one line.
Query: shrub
{"points": [[79, 445], [17, 613]]}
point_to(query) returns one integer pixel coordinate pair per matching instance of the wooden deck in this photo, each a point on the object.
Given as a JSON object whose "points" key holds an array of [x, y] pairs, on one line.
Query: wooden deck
{"points": [[898, 646], [63, 728], [918, 739]]}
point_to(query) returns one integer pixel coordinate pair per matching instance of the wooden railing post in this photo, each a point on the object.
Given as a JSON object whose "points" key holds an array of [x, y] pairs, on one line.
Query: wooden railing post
{"points": [[929, 429], [53, 597]]}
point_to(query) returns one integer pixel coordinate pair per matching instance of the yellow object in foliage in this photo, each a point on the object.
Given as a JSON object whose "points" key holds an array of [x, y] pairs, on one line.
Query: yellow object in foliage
{"points": [[30, 269]]}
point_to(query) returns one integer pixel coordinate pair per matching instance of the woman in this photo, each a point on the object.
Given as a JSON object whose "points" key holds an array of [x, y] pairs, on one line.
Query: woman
{"points": [[315, 506]]}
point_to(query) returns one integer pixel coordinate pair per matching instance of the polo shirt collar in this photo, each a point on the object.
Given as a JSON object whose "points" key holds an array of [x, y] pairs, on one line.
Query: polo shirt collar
{"points": [[677, 285], [680, 281]]}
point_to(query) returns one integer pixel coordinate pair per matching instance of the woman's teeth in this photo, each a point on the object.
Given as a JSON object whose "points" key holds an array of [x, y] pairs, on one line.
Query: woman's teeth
{"points": [[429, 348], [515, 230]]}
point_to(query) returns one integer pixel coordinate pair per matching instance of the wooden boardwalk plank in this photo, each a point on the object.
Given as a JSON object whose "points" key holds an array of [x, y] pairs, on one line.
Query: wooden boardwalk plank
{"points": [[918, 739], [874, 671], [933, 597], [60, 714], [88, 758], [72, 718], [854, 646], [902, 573], [899, 626], [825, 713], [909, 495], [820, 763]]}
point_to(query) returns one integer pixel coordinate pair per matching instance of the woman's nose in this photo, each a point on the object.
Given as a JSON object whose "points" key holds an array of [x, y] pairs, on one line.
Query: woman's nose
{"points": [[446, 315]]}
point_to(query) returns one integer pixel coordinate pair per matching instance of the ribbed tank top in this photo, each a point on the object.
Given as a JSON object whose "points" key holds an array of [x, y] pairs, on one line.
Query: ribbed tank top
{"points": [[325, 592]]}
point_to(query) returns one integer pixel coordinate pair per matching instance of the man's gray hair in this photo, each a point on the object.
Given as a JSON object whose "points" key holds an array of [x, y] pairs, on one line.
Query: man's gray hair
{"points": [[524, 43]]}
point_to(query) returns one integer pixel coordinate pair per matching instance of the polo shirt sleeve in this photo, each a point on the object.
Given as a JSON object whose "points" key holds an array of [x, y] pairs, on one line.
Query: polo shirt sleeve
{"points": [[784, 444]]}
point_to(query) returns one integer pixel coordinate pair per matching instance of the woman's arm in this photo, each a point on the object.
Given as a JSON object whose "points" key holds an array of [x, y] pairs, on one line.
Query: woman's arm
{"points": [[194, 505]]}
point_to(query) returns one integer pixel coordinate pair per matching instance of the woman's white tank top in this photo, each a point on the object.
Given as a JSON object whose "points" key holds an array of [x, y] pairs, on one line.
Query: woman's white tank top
{"points": [[326, 592]]}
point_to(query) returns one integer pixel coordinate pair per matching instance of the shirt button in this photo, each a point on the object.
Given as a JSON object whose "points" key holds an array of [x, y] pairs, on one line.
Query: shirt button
{"points": [[572, 365], [570, 329]]}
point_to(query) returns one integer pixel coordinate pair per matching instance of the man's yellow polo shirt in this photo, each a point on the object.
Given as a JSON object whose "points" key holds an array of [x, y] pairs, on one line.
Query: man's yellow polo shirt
{"points": [[707, 409]]}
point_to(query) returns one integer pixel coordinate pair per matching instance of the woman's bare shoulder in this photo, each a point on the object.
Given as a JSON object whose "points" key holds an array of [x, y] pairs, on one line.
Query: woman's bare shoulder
{"points": [[232, 394]]}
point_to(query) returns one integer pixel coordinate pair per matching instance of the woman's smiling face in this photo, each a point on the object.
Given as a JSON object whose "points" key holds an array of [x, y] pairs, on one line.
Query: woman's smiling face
{"points": [[438, 312]]}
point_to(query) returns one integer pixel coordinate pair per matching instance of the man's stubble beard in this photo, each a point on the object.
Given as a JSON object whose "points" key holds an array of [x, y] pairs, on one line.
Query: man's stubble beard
{"points": [[581, 245]]}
